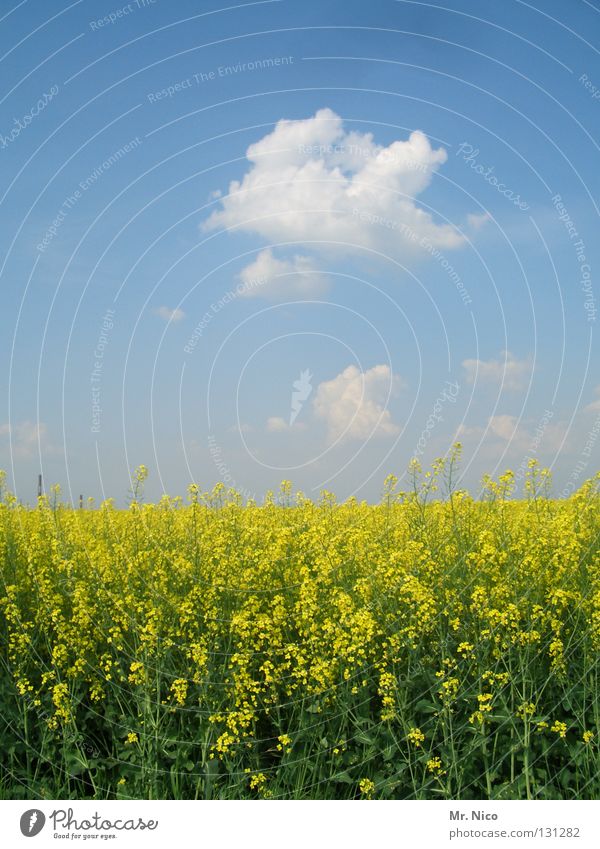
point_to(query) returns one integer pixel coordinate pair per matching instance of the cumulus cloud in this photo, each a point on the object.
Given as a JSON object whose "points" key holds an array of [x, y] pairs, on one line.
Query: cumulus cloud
{"points": [[279, 280], [312, 180], [25, 437], [507, 371], [169, 314], [353, 404]]}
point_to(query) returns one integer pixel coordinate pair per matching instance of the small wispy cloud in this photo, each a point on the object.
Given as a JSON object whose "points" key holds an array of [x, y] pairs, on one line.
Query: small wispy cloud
{"points": [[282, 279], [242, 427], [168, 314], [518, 434], [277, 424], [25, 438], [506, 371], [594, 407], [478, 220]]}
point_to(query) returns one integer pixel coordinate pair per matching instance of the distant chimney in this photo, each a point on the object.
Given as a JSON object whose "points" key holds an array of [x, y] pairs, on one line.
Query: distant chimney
{"points": [[40, 489], [81, 502]]}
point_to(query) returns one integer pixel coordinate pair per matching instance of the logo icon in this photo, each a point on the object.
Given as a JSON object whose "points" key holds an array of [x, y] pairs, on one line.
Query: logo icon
{"points": [[301, 390], [32, 822]]}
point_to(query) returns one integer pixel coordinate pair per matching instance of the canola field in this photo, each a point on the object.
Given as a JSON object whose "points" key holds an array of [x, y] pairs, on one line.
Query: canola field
{"points": [[432, 646]]}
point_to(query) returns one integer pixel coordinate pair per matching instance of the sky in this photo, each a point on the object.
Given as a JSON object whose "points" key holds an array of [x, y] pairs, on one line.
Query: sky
{"points": [[297, 240]]}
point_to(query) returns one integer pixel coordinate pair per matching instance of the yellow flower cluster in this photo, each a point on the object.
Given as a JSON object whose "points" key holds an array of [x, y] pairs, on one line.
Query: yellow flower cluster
{"points": [[416, 737], [434, 765], [366, 787], [559, 728]]}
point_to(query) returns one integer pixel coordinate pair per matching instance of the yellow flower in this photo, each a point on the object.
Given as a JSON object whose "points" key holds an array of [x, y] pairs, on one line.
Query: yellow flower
{"points": [[136, 672], [559, 728], [484, 707], [366, 787], [588, 736], [525, 710], [285, 742], [465, 649], [179, 688], [62, 705], [434, 765], [132, 737], [258, 782], [449, 689], [415, 736]]}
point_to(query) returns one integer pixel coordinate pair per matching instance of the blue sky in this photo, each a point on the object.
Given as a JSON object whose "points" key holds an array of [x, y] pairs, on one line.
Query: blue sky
{"points": [[297, 240]]}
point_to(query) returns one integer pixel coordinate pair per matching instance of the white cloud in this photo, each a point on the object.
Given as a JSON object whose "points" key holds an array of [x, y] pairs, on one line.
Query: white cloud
{"points": [[503, 426], [313, 180], [169, 314], [522, 436], [25, 437], [242, 427], [507, 371], [594, 407], [277, 424], [353, 404], [279, 280], [478, 220]]}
